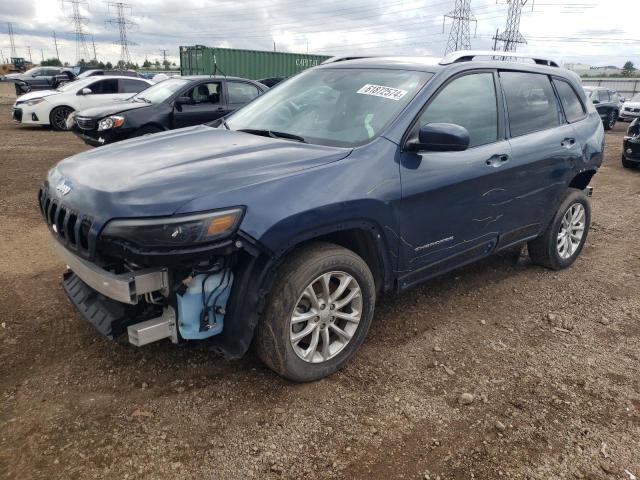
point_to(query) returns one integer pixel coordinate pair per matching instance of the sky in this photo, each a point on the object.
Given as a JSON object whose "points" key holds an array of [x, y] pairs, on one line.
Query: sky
{"points": [[595, 32]]}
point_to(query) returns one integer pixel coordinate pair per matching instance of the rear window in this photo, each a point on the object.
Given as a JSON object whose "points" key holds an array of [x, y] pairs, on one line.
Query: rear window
{"points": [[573, 108], [531, 102]]}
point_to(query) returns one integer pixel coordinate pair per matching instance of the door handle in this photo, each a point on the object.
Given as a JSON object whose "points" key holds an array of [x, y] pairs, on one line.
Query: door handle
{"points": [[498, 159], [568, 142]]}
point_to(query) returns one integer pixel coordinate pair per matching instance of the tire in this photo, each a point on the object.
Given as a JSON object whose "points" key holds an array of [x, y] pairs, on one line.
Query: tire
{"points": [[546, 249], [146, 130], [307, 267], [627, 164], [58, 118], [610, 122]]}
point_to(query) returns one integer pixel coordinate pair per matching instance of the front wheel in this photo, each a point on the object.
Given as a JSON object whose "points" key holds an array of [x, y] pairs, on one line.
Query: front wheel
{"points": [[58, 118], [561, 243], [318, 312]]}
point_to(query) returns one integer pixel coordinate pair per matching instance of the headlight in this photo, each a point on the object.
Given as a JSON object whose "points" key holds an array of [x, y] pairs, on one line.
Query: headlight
{"points": [[176, 231], [35, 101], [114, 121]]}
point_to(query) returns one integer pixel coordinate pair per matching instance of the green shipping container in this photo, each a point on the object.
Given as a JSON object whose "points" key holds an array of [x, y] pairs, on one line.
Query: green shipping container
{"points": [[253, 64]]}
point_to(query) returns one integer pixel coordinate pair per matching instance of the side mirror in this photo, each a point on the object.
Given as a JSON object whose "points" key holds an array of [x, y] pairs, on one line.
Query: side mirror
{"points": [[595, 102], [440, 137], [184, 101], [86, 91], [622, 99]]}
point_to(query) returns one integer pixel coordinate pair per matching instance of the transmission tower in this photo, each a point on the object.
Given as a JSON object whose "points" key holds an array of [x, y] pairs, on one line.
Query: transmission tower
{"points": [[123, 24], [511, 36], [12, 41], [79, 22], [459, 36]]}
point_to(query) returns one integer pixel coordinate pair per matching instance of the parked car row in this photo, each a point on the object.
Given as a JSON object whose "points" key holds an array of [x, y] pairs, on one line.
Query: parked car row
{"points": [[282, 224]]}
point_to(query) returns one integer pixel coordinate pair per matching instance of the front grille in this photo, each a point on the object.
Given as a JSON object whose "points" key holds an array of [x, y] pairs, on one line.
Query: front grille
{"points": [[634, 110], [69, 226], [17, 114], [85, 123]]}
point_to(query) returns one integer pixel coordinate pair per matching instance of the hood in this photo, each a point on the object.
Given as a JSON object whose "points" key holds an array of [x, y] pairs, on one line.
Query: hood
{"points": [[118, 106], [37, 94], [156, 174]]}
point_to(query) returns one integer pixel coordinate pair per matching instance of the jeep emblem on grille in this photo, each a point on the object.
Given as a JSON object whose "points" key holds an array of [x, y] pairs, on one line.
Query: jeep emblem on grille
{"points": [[63, 188]]}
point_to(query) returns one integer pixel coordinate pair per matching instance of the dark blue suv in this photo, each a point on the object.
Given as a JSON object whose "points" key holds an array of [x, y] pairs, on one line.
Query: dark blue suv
{"points": [[282, 224]]}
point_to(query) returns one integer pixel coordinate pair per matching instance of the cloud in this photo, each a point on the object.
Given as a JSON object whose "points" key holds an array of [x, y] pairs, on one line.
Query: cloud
{"points": [[590, 32]]}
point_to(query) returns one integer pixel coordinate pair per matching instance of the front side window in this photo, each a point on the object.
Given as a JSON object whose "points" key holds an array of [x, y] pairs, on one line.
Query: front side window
{"points": [[573, 108], [468, 101], [205, 93], [240, 92], [332, 106], [604, 96], [105, 87], [531, 102]]}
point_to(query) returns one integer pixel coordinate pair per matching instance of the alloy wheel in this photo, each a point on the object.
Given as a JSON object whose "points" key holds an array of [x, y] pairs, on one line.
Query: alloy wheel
{"points": [[60, 118], [326, 317], [571, 230]]}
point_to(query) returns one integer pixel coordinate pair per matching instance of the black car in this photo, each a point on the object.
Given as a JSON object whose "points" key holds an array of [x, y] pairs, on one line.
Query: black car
{"points": [[173, 103], [607, 103], [39, 78], [631, 146]]}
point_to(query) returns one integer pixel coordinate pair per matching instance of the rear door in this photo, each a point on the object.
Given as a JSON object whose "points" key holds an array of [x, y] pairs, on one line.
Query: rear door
{"points": [[545, 149], [207, 105]]}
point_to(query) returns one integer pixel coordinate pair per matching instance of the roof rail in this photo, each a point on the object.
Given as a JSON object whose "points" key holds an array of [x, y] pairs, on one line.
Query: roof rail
{"points": [[469, 55], [344, 58]]}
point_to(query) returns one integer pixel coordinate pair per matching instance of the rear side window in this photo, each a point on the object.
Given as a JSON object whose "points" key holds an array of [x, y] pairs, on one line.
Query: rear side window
{"points": [[531, 102], [604, 96], [131, 86], [468, 101], [241, 92], [573, 108]]}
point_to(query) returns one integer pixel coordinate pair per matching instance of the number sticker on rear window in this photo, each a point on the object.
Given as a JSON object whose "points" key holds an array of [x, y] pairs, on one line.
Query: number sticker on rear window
{"points": [[382, 91]]}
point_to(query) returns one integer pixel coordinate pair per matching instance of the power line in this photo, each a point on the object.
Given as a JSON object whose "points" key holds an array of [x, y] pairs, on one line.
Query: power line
{"points": [[79, 21], [123, 25], [511, 37], [55, 42], [459, 36], [11, 39]]}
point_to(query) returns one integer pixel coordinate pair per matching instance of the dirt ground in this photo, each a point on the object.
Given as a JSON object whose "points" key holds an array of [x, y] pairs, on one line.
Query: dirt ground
{"points": [[551, 358]]}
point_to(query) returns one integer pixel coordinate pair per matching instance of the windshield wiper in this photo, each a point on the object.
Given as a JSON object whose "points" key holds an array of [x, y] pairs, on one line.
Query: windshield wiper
{"points": [[145, 100], [274, 134]]}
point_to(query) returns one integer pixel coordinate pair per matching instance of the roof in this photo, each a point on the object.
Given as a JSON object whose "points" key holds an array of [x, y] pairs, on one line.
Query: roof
{"points": [[217, 77]]}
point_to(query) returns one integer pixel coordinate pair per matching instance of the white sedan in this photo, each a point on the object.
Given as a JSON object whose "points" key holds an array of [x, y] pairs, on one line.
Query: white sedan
{"points": [[630, 109], [52, 107]]}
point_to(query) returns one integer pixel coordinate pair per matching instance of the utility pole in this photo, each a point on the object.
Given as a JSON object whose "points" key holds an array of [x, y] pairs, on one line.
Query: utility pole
{"points": [[95, 56], [11, 39], [164, 58], [459, 36], [123, 24], [511, 36], [55, 42], [2, 56], [79, 21], [42, 55], [29, 50]]}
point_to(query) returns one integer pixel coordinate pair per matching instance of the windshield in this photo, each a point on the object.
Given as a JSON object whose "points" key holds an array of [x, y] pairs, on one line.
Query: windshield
{"points": [[339, 107], [635, 98], [159, 92], [31, 71], [85, 74]]}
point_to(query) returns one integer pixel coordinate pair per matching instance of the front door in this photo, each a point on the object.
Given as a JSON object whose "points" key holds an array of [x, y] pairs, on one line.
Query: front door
{"points": [[206, 104], [102, 91], [453, 202]]}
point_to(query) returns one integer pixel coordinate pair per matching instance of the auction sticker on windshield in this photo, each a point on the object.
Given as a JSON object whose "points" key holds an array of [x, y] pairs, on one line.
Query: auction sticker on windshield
{"points": [[382, 91]]}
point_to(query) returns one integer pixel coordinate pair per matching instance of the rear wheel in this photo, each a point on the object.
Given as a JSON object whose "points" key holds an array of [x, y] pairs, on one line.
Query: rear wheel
{"points": [[610, 121], [58, 118], [561, 243], [318, 312]]}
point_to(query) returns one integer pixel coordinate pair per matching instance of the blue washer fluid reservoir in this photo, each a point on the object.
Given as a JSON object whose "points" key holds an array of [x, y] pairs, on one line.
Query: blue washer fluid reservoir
{"points": [[190, 305]]}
